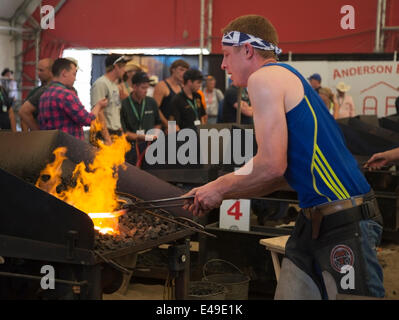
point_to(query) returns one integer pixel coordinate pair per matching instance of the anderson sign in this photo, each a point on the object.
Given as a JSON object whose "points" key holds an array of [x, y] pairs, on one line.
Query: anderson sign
{"points": [[373, 84], [368, 69]]}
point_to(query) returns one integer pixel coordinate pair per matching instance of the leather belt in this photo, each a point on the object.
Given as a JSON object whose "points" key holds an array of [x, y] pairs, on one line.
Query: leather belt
{"points": [[360, 203], [332, 207]]}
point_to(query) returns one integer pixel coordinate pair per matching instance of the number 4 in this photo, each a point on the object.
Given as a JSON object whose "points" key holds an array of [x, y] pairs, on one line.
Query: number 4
{"points": [[235, 210]]}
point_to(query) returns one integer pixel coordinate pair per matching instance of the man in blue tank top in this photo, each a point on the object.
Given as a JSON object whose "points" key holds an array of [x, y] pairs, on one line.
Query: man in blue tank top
{"points": [[332, 249]]}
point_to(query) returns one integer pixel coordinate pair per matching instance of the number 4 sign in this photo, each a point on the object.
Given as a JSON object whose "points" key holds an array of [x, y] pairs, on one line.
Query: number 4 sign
{"points": [[235, 214]]}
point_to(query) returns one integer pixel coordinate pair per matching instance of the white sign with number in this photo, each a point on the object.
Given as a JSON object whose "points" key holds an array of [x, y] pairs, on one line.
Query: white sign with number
{"points": [[235, 214]]}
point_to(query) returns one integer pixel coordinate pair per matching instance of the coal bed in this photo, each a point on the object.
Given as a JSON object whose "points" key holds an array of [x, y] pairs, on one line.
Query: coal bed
{"points": [[136, 226]]}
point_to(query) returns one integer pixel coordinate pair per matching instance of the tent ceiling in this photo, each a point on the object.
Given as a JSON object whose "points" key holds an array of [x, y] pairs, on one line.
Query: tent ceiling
{"points": [[9, 7]]}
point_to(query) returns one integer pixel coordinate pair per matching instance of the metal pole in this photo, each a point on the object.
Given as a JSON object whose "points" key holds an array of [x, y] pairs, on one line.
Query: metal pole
{"points": [[239, 105], [382, 36], [37, 53], [210, 15], [391, 28], [202, 26], [378, 27]]}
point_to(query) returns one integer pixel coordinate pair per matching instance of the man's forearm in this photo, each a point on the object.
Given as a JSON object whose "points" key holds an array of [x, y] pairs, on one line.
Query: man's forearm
{"points": [[336, 110], [104, 129], [131, 136], [12, 120], [267, 188], [163, 119], [392, 155], [254, 176]]}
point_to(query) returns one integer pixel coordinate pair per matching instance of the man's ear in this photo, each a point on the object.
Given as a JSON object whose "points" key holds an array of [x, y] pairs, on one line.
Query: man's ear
{"points": [[249, 50]]}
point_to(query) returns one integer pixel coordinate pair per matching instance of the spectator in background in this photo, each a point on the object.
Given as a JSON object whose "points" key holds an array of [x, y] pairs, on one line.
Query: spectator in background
{"points": [[213, 96], [153, 82], [203, 103], [59, 106], [7, 117], [126, 86], [325, 94], [188, 110], [8, 83], [29, 109], [165, 90], [139, 114], [345, 101], [107, 87], [230, 105]]}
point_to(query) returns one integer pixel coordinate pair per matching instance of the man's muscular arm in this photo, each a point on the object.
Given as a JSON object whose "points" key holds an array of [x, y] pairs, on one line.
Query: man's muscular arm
{"points": [[269, 164], [26, 114], [160, 91]]}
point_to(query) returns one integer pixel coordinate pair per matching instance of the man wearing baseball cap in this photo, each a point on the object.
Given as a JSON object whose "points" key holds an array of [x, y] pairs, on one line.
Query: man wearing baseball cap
{"points": [[107, 87], [139, 114]]}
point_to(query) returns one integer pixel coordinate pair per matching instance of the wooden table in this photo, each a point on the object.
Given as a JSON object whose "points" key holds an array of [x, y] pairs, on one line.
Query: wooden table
{"points": [[275, 245]]}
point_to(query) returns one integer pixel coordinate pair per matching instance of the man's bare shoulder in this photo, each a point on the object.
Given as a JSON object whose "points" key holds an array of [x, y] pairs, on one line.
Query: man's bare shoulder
{"points": [[160, 85], [272, 74], [277, 81], [161, 88]]}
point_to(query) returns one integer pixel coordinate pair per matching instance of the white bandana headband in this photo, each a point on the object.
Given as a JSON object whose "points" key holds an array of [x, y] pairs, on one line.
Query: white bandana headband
{"points": [[237, 38]]}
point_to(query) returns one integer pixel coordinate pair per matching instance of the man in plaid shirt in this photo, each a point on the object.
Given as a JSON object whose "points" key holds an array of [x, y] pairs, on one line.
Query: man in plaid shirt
{"points": [[59, 106]]}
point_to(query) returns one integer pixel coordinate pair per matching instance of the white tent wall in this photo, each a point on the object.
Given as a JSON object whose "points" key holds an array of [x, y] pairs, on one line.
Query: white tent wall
{"points": [[7, 48]]}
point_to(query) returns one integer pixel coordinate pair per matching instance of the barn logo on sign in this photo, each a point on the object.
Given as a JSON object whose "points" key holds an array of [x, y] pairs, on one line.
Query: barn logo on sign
{"points": [[379, 98]]}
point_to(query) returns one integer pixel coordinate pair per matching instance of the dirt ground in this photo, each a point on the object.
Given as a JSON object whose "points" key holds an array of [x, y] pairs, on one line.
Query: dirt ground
{"points": [[388, 255]]}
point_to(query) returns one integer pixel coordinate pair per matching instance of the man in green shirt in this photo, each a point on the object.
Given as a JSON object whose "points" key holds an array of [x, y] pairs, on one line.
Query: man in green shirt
{"points": [[139, 113]]}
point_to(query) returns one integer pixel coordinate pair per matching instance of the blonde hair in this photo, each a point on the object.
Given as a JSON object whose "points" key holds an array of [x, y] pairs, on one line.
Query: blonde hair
{"points": [[257, 26]]}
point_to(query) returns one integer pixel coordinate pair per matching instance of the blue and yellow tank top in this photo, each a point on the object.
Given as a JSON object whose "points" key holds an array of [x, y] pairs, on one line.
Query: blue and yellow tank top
{"points": [[320, 167]]}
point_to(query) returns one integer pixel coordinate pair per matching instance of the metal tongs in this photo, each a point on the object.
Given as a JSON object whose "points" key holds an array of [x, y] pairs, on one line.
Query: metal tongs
{"points": [[149, 204]]}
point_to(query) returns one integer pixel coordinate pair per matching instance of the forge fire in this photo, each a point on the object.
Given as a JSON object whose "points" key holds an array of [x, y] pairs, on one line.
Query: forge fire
{"points": [[93, 189]]}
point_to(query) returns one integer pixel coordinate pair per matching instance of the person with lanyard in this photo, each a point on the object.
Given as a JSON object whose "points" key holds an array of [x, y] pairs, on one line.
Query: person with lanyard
{"points": [[299, 143], [7, 117], [188, 111], [165, 90], [139, 113], [59, 106]]}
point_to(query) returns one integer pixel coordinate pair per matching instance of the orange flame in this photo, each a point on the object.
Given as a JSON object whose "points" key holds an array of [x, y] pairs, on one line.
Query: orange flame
{"points": [[95, 184], [106, 222]]}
